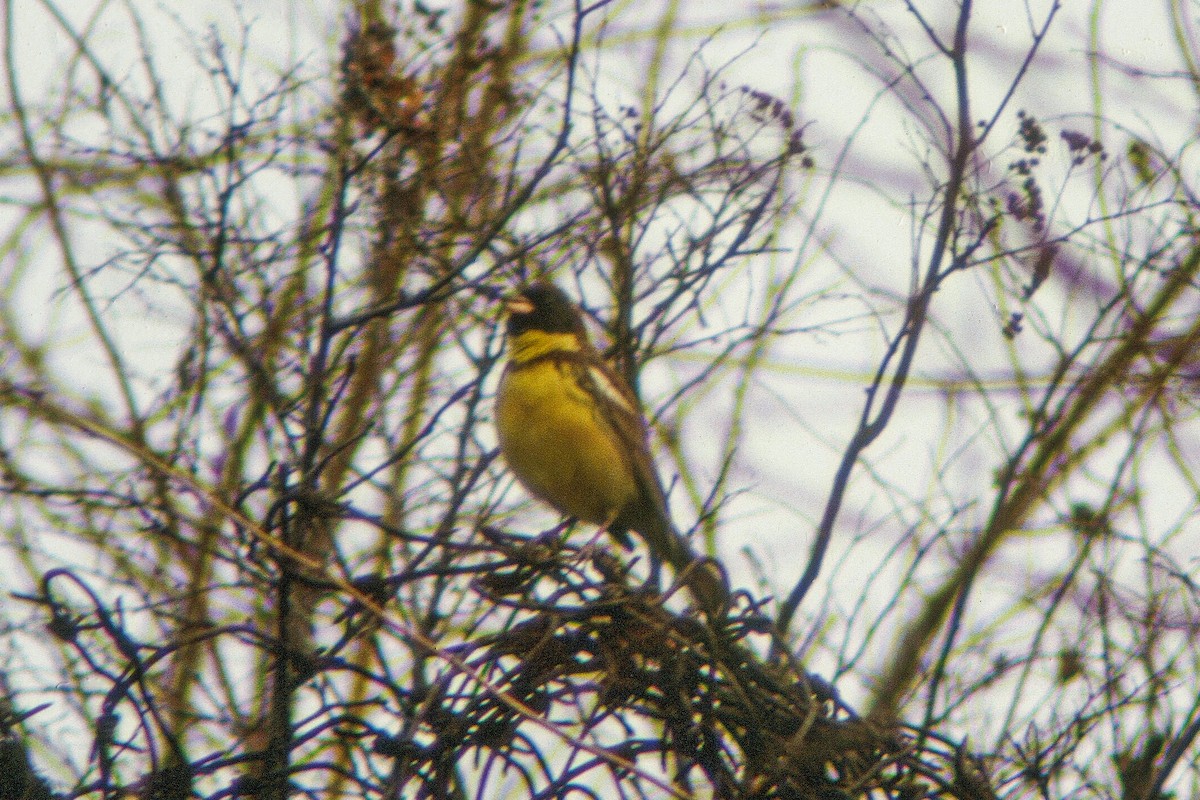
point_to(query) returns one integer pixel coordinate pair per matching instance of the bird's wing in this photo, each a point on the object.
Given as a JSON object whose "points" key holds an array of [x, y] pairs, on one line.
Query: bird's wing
{"points": [[647, 515], [623, 415]]}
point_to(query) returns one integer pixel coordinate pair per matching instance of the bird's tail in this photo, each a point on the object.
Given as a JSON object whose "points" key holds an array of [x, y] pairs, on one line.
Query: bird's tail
{"points": [[703, 577]]}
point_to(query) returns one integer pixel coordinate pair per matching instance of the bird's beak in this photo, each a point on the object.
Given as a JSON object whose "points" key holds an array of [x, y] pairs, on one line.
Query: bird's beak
{"points": [[518, 304]]}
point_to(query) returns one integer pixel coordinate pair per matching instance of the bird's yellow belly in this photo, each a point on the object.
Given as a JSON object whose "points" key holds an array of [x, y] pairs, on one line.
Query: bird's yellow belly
{"points": [[558, 445]]}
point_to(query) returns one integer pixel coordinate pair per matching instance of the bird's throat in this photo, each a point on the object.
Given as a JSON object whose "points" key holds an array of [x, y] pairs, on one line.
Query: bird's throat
{"points": [[535, 344]]}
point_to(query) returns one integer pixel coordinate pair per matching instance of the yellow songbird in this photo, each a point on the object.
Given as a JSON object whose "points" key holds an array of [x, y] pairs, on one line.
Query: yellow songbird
{"points": [[571, 431]]}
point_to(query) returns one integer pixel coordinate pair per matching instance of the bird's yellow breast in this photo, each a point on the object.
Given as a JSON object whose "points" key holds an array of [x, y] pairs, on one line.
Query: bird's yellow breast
{"points": [[558, 443]]}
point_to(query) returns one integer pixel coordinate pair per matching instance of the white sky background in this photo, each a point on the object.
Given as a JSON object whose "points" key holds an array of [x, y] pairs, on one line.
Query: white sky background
{"points": [[809, 400]]}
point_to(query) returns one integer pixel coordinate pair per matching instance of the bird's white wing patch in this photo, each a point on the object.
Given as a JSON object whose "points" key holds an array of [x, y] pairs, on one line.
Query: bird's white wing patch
{"points": [[612, 392]]}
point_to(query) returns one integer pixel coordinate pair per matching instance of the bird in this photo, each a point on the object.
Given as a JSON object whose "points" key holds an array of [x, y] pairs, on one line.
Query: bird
{"points": [[572, 432]]}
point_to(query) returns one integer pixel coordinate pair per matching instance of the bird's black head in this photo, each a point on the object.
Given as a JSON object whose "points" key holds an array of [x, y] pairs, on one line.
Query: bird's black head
{"points": [[542, 306]]}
